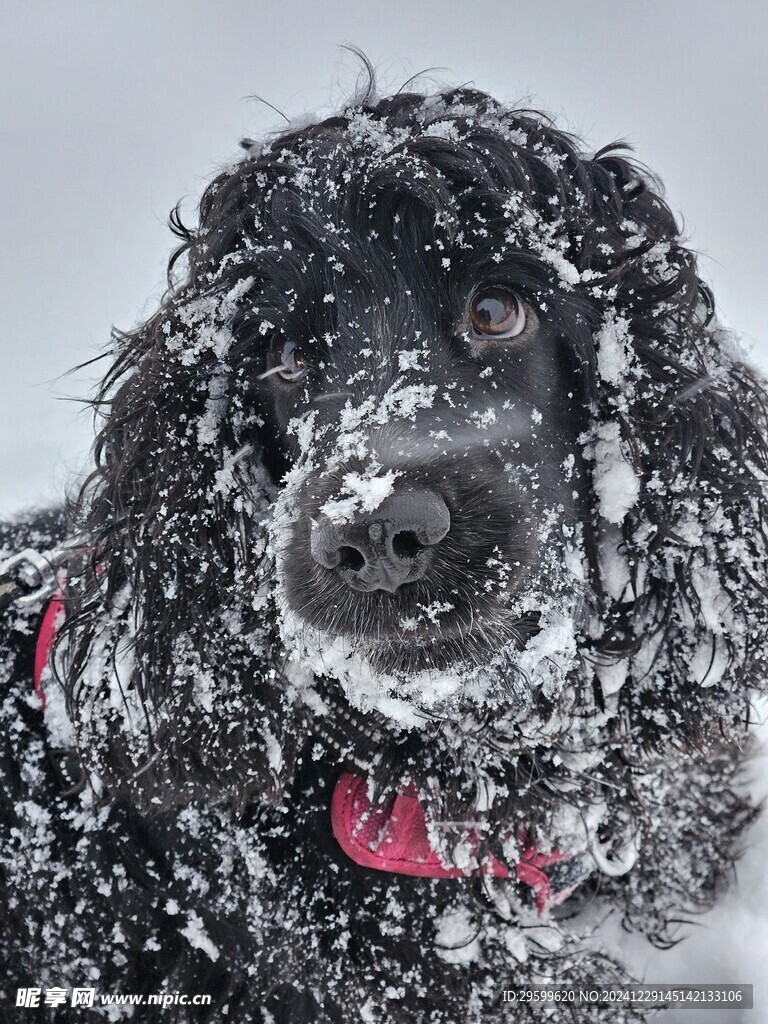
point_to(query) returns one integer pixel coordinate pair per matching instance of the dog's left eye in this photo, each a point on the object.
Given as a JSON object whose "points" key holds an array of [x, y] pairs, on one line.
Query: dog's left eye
{"points": [[290, 361], [496, 313]]}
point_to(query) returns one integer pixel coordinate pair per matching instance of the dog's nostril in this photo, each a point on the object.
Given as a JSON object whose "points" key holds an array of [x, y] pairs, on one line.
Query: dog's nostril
{"points": [[406, 544], [385, 550], [350, 558]]}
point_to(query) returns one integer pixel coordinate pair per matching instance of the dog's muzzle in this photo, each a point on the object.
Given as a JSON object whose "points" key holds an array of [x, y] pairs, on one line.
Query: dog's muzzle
{"points": [[385, 548]]}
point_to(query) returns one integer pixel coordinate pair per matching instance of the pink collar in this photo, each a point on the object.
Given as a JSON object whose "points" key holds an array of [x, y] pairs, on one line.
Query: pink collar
{"points": [[392, 836]]}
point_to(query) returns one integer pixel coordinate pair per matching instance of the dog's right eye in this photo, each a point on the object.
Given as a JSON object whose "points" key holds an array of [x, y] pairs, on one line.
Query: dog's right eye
{"points": [[289, 360], [497, 313]]}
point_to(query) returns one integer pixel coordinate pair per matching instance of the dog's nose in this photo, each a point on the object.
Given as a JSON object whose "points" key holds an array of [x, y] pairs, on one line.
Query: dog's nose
{"points": [[387, 547]]}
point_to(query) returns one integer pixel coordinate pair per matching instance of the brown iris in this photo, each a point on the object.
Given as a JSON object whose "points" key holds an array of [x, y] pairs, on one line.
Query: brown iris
{"points": [[291, 363], [496, 312]]}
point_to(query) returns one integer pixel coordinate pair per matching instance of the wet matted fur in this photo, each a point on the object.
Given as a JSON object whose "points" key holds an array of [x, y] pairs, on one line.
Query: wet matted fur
{"points": [[572, 662]]}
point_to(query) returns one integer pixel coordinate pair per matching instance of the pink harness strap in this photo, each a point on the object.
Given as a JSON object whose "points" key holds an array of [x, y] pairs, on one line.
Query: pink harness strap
{"points": [[392, 836], [49, 627]]}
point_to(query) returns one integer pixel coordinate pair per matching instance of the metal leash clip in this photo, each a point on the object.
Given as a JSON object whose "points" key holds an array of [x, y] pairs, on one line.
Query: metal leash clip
{"points": [[30, 576]]}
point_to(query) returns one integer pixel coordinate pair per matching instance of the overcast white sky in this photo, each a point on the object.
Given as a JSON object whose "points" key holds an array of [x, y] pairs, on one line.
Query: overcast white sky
{"points": [[112, 111]]}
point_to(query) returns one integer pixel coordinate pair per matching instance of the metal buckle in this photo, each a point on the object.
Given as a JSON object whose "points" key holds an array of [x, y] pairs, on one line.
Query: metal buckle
{"points": [[36, 571], [32, 570]]}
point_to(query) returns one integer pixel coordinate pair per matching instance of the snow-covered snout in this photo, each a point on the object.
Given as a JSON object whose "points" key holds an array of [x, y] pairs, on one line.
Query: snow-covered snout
{"points": [[427, 474]]}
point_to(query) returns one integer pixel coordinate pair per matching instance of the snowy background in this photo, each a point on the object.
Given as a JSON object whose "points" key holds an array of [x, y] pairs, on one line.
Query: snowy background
{"points": [[112, 111]]}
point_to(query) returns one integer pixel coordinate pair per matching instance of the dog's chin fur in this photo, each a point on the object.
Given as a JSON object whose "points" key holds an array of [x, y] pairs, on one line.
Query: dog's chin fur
{"points": [[439, 671], [449, 649], [614, 457]]}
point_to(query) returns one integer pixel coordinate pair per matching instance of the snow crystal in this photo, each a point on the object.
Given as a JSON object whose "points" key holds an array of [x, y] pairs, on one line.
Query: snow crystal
{"points": [[615, 482], [366, 492], [615, 356], [456, 939], [196, 936]]}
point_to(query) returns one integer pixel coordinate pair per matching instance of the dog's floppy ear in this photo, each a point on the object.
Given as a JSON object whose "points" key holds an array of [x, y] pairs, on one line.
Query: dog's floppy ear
{"points": [[683, 416], [169, 660]]}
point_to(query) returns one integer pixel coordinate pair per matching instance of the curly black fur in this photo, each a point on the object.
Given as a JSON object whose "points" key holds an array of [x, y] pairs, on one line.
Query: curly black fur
{"points": [[207, 812]]}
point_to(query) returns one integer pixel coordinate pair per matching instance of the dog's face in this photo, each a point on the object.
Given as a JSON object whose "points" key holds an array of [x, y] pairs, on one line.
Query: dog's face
{"points": [[420, 362], [435, 410], [434, 406], [418, 315]]}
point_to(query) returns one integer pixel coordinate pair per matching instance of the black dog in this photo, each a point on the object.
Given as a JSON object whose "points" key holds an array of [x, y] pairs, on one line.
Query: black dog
{"points": [[415, 593]]}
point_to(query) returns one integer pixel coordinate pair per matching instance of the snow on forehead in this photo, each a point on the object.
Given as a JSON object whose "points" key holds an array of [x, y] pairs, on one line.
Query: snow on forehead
{"points": [[374, 138], [325, 163]]}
